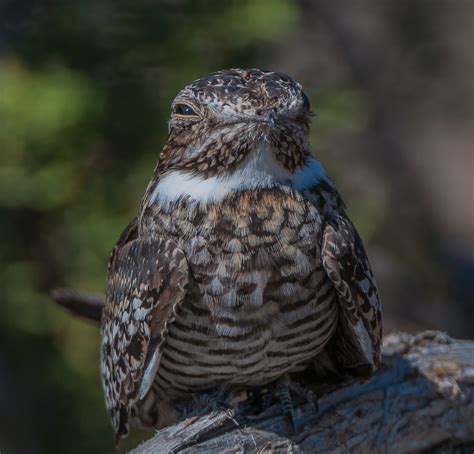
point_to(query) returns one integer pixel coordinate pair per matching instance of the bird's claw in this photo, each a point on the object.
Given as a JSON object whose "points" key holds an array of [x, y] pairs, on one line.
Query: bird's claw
{"points": [[284, 389], [283, 392]]}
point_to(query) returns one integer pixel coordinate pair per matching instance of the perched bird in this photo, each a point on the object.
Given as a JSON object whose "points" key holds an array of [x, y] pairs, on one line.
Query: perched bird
{"points": [[242, 265]]}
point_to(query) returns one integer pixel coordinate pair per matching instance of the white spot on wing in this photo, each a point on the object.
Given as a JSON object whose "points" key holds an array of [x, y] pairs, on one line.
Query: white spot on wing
{"points": [[136, 303]]}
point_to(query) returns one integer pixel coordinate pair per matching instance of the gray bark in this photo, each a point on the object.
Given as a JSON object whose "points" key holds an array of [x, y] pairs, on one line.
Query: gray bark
{"points": [[421, 399]]}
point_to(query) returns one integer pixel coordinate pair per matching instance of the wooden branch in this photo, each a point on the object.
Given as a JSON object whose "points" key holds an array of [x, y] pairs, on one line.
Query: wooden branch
{"points": [[85, 305], [421, 399]]}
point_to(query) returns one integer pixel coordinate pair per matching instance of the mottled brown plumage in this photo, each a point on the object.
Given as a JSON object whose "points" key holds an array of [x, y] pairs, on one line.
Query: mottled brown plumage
{"points": [[241, 265]]}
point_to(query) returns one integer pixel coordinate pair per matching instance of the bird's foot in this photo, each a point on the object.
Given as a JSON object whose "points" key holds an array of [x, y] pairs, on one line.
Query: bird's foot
{"points": [[306, 394], [283, 392], [285, 387]]}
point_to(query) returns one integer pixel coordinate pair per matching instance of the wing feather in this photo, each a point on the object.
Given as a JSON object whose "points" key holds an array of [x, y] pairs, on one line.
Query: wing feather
{"points": [[147, 282], [346, 263]]}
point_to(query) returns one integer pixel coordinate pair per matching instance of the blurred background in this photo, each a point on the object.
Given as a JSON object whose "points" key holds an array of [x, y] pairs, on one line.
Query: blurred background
{"points": [[85, 90]]}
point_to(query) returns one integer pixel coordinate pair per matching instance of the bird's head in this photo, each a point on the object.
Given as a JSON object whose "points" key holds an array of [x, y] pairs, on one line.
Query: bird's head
{"points": [[219, 120]]}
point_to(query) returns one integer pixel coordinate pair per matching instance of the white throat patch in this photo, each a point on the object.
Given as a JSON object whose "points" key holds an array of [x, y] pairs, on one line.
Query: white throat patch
{"points": [[260, 170]]}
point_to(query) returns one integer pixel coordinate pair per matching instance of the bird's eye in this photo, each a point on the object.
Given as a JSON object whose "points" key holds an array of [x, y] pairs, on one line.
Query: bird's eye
{"points": [[184, 110], [306, 103]]}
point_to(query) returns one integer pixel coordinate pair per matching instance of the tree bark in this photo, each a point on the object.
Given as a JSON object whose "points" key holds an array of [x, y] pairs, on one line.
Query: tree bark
{"points": [[420, 400]]}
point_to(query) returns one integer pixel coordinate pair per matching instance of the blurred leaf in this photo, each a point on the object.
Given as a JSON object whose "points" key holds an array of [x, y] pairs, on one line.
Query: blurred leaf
{"points": [[38, 108], [258, 19], [342, 110]]}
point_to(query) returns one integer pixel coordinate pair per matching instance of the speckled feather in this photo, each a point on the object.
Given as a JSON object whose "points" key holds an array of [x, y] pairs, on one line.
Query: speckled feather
{"points": [[241, 265], [147, 281]]}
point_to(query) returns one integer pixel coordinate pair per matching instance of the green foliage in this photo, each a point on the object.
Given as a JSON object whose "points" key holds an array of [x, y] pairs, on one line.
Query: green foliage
{"points": [[340, 111]]}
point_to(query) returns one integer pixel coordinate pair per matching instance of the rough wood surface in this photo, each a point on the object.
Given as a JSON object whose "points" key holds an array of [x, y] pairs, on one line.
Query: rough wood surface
{"points": [[421, 400]]}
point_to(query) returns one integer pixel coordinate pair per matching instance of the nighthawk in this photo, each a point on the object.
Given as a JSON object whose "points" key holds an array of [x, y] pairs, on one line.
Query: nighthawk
{"points": [[242, 265]]}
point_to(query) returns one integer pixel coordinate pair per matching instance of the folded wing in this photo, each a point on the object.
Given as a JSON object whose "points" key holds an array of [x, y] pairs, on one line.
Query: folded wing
{"points": [[358, 338], [147, 281]]}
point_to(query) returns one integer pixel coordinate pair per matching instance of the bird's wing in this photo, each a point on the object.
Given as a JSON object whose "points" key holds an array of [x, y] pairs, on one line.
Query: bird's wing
{"points": [[347, 266], [147, 281], [130, 233]]}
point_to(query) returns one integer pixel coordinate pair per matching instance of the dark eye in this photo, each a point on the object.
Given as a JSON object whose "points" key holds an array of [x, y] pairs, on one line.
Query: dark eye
{"points": [[185, 110], [306, 103]]}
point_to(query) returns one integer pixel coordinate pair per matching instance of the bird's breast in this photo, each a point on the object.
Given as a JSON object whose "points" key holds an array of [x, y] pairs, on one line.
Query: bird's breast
{"points": [[259, 302]]}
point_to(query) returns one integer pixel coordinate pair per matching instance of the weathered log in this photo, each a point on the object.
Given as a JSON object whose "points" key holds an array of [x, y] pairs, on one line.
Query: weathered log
{"points": [[421, 399]]}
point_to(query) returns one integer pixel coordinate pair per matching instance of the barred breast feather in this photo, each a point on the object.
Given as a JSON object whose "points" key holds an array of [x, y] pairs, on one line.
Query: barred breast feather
{"points": [[260, 302]]}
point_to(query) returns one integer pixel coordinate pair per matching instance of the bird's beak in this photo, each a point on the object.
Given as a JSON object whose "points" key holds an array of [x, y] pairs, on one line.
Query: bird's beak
{"points": [[268, 117]]}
